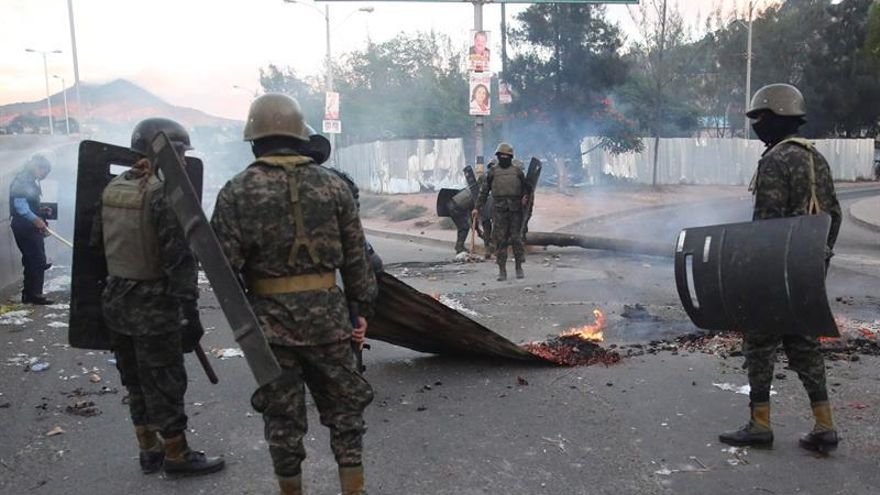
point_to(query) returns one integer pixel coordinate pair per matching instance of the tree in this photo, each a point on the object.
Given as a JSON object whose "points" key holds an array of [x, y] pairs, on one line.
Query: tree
{"points": [[661, 89], [568, 62]]}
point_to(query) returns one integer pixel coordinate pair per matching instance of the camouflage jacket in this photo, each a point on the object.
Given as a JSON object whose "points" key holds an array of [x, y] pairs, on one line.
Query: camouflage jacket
{"points": [[782, 185], [254, 219], [152, 307]]}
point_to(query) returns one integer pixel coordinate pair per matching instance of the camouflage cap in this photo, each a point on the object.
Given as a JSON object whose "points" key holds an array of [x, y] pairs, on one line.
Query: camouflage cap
{"points": [[783, 100]]}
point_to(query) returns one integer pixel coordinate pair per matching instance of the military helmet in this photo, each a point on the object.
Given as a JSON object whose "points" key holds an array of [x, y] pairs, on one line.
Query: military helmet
{"points": [[504, 148], [147, 130], [783, 100], [275, 114]]}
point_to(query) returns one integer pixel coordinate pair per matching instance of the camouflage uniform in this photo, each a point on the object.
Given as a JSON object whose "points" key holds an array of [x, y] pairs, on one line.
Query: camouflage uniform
{"points": [[507, 211], [286, 216], [144, 314], [782, 188]]}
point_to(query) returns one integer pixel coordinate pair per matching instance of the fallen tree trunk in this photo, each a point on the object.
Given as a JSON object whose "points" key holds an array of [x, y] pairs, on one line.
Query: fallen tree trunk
{"points": [[593, 242]]}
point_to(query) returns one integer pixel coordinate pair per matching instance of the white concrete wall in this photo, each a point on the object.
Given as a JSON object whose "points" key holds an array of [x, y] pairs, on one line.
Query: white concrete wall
{"points": [[718, 161], [394, 167]]}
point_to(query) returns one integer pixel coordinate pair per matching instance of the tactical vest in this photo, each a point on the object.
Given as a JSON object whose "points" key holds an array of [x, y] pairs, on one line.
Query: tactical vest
{"points": [[24, 185], [813, 208], [506, 183], [131, 244]]}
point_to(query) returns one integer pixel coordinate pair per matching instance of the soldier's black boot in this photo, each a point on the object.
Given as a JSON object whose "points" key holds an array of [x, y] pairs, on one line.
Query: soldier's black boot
{"points": [[291, 485], [152, 452], [519, 271], [502, 272], [351, 479], [757, 433], [182, 461], [823, 438]]}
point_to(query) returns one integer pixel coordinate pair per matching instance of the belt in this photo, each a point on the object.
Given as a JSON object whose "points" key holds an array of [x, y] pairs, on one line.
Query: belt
{"points": [[288, 285]]}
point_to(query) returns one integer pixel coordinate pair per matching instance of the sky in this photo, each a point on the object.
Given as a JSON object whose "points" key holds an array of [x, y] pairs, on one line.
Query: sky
{"points": [[192, 52]]}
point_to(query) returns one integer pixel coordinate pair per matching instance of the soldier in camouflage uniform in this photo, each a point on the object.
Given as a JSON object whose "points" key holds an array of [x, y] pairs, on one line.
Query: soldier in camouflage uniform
{"points": [[288, 225], [792, 179], [150, 305], [510, 193]]}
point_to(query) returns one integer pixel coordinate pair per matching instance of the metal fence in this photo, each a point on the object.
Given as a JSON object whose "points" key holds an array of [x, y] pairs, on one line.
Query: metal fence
{"points": [[717, 161], [393, 167]]}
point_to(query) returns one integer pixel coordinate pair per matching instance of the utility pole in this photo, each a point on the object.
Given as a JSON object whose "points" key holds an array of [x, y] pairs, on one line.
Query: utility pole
{"points": [[505, 125], [48, 94], [480, 121], [64, 92], [746, 132], [79, 108]]}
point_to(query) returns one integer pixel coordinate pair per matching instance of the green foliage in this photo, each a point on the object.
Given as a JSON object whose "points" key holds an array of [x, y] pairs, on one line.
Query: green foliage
{"points": [[872, 39]]}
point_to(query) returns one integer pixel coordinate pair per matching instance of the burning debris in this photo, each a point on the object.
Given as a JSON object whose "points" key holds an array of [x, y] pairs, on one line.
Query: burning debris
{"points": [[576, 347]]}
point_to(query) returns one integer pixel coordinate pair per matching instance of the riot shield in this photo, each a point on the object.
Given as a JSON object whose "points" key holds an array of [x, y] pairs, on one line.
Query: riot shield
{"points": [[534, 173], [185, 204], [764, 277], [443, 198], [472, 183], [86, 329]]}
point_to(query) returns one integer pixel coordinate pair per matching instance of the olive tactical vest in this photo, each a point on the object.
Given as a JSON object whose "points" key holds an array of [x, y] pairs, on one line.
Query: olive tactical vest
{"points": [[131, 243], [507, 183]]}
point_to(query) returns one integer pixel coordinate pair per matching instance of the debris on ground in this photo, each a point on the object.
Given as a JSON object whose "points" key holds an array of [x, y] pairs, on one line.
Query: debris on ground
{"points": [[17, 317], [572, 351], [636, 312], [466, 257], [57, 324], [227, 353], [742, 390], [95, 378], [457, 305], [84, 408], [21, 360], [55, 431], [39, 366]]}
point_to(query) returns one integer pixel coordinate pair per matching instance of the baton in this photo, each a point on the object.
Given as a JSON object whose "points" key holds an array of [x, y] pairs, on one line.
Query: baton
{"points": [[206, 365], [55, 235]]}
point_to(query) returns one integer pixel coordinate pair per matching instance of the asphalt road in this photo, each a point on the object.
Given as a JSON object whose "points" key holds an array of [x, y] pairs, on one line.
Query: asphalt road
{"points": [[466, 426]]}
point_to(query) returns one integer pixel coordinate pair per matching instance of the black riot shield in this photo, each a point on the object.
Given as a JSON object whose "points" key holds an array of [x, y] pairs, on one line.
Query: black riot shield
{"points": [[86, 329], [443, 198], [472, 184], [183, 200], [765, 277], [534, 173]]}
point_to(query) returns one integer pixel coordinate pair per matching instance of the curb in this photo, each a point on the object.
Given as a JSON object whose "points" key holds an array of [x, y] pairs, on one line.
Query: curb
{"points": [[867, 224]]}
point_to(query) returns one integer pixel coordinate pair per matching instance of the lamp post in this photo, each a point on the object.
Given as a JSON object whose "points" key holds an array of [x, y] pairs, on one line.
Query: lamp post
{"points": [[64, 92], [328, 76], [46, 75]]}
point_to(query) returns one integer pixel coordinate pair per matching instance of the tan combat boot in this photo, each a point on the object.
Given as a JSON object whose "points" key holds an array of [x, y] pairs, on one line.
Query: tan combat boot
{"points": [[183, 461], [152, 452], [291, 485], [351, 478], [823, 438], [757, 433]]}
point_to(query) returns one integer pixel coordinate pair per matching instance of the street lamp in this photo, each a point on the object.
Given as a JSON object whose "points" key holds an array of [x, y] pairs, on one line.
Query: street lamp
{"points": [[748, 26], [46, 74], [64, 92], [328, 83]]}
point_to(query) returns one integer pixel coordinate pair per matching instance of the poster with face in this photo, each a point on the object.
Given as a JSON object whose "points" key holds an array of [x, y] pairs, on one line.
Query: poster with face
{"points": [[478, 54], [504, 96], [480, 97], [332, 127], [331, 106]]}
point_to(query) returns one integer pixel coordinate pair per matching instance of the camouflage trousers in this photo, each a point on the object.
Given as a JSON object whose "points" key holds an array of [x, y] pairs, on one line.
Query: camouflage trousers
{"points": [[507, 231], [462, 221], [152, 369], [804, 357], [340, 393]]}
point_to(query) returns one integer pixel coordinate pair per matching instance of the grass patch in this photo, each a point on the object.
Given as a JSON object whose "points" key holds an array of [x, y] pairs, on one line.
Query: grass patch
{"points": [[402, 212]]}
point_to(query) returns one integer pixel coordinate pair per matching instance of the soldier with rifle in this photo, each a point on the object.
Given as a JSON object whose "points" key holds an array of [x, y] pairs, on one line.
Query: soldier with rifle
{"points": [[792, 179], [150, 304], [288, 225]]}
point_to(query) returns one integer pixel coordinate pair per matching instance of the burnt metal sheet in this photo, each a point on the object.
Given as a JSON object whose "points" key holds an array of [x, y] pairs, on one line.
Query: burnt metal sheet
{"points": [[86, 327], [411, 319], [765, 277]]}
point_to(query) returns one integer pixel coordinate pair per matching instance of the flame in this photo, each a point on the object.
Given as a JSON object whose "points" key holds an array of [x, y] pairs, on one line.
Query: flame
{"points": [[592, 333]]}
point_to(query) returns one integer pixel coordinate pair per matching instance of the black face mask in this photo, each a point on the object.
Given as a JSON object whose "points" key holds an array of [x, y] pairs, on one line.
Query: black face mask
{"points": [[505, 161], [773, 129]]}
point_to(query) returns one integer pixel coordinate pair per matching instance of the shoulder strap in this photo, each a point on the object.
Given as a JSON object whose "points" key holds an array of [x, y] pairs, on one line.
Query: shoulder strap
{"points": [[813, 207]]}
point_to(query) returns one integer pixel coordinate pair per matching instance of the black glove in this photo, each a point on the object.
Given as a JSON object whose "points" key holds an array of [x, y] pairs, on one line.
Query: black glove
{"points": [[191, 325]]}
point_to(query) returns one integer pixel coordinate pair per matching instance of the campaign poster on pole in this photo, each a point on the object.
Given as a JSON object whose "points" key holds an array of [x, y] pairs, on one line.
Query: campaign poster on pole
{"points": [[504, 96], [331, 124], [480, 97], [478, 54]]}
